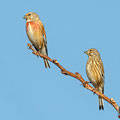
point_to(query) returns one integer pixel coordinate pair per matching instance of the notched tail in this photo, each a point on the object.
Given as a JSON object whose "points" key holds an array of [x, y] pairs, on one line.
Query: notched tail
{"points": [[46, 63], [101, 104]]}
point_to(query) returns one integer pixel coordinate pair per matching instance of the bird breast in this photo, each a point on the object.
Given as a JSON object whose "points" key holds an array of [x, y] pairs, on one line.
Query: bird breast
{"points": [[34, 34], [30, 32], [90, 73]]}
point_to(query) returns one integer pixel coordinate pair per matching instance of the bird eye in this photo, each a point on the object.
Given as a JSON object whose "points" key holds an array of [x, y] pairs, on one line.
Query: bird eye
{"points": [[29, 14], [90, 50]]}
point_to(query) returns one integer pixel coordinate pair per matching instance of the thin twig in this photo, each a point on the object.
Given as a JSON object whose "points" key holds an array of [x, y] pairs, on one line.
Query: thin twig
{"points": [[77, 76]]}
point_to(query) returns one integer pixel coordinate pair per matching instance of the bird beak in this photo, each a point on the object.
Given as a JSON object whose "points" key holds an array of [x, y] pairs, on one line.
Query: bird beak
{"points": [[25, 17], [86, 52]]}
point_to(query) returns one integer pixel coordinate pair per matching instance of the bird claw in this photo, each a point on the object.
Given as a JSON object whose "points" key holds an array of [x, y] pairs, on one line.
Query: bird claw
{"points": [[86, 82], [96, 89], [36, 53]]}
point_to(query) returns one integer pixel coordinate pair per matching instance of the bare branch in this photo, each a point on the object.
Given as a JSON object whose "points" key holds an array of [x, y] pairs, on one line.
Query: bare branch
{"points": [[79, 77]]}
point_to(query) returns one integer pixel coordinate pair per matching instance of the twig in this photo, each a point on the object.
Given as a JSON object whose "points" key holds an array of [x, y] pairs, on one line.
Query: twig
{"points": [[79, 77]]}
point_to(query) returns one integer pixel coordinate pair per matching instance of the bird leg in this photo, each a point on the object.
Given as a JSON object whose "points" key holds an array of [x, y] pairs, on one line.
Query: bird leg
{"points": [[36, 53], [86, 82], [94, 90]]}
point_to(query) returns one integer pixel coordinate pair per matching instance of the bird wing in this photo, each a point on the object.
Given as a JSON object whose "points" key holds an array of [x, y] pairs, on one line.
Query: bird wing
{"points": [[44, 39], [44, 34], [101, 68]]}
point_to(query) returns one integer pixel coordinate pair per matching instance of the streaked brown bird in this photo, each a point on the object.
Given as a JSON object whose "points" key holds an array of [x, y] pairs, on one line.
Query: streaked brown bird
{"points": [[36, 34], [95, 72]]}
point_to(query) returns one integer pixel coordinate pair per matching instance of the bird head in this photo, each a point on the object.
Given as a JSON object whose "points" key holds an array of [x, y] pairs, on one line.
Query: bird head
{"points": [[31, 17], [92, 52]]}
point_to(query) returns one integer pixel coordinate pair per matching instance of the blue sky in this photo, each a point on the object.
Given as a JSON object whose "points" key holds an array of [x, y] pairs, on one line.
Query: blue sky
{"points": [[28, 91]]}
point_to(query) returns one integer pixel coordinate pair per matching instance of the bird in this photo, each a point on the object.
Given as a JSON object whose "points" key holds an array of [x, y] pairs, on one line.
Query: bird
{"points": [[36, 33], [95, 72]]}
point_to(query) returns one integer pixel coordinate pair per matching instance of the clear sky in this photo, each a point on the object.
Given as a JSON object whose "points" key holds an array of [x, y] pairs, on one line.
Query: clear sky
{"points": [[28, 91]]}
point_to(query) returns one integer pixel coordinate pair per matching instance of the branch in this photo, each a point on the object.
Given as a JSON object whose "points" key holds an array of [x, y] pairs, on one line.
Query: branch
{"points": [[79, 77]]}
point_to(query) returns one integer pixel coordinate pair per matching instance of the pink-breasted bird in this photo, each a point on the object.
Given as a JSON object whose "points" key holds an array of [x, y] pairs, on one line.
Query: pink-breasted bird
{"points": [[36, 34]]}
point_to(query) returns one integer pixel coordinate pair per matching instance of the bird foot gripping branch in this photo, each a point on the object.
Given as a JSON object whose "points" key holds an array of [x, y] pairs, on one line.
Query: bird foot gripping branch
{"points": [[85, 83], [34, 51]]}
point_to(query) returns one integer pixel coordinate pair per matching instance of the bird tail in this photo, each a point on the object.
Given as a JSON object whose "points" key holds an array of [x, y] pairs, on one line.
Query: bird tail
{"points": [[45, 52], [46, 63], [101, 104]]}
